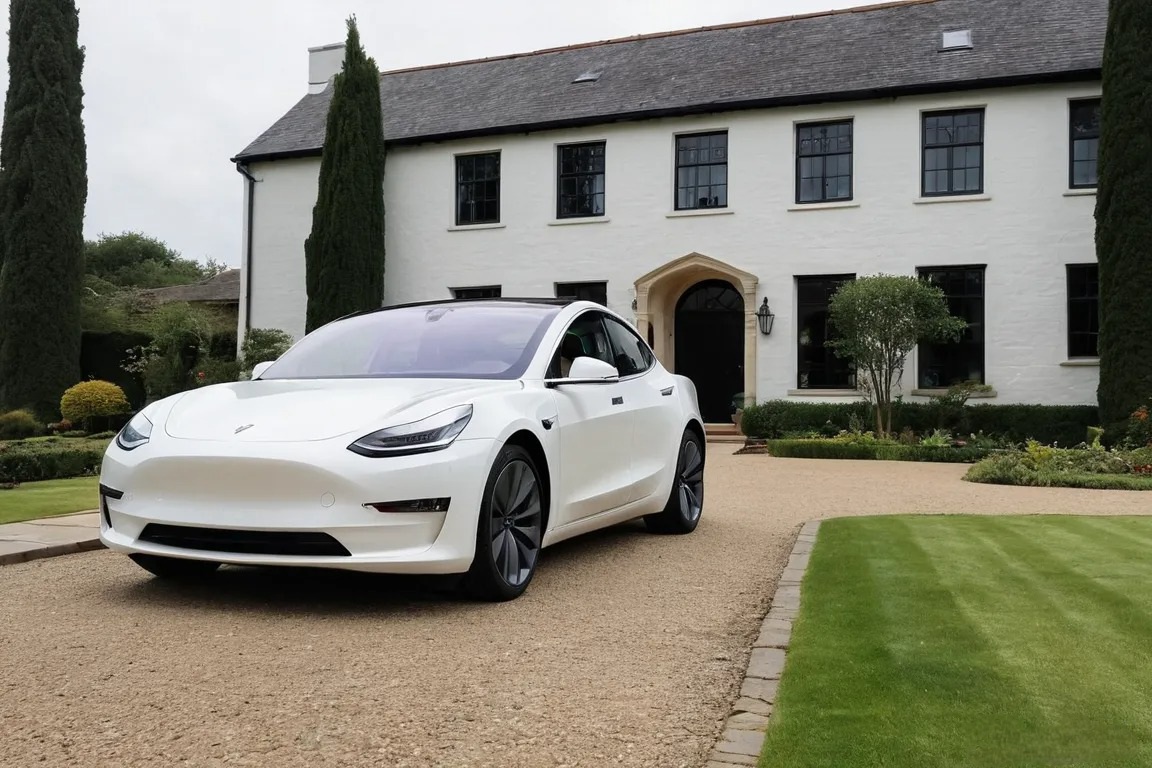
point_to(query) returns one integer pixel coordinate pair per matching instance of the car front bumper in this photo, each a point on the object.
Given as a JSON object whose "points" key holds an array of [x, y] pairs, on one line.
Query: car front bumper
{"points": [[271, 499]]}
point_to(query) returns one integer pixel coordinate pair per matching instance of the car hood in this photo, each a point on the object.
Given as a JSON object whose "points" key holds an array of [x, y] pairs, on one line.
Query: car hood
{"points": [[307, 410]]}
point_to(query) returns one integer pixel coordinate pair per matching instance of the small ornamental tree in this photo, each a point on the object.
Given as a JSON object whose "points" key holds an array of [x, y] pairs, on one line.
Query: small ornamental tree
{"points": [[877, 321], [344, 254]]}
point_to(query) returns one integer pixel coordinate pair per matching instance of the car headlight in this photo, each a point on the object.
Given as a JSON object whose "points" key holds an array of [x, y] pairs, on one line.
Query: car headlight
{"points": [[135, 433], [434, 433]]}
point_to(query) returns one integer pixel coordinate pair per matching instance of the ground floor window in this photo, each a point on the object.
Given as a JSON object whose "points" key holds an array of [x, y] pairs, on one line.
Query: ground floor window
{"points": [[477, 292], [594, 291], [818, 366], [1083, 310], [942, 365]]}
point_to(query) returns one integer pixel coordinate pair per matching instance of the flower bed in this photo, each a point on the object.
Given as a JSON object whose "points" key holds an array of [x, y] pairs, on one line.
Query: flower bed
{"points": [[1042, 466], [879, 451]]}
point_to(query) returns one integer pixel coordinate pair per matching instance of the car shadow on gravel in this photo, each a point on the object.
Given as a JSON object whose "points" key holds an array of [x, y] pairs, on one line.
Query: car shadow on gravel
{"points": [[349, 593]]}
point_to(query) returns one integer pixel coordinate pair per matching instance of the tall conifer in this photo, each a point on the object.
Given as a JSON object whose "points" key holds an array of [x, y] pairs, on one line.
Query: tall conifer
{"points": [[345, 252], [43, 191]]}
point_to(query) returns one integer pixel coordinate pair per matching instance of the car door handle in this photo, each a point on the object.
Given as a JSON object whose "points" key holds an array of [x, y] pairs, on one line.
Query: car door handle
{"points": [[667, 392], [617, 401]]}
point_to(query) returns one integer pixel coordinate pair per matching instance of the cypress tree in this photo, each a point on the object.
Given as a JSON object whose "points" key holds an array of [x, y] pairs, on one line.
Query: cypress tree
{"points": [[43, 191], [344, 254], [1124, 212]]}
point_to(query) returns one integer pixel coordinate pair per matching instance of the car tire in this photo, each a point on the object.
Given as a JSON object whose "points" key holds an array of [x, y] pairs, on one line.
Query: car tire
{"points": [[175, 568], [510, 528], [681, 514]]}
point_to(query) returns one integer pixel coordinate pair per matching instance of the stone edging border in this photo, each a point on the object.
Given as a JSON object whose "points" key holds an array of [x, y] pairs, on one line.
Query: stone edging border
{"points": [[743, 737], [51, 550]]}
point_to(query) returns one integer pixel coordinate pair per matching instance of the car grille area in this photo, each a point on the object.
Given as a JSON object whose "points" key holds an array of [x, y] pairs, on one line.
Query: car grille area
{"points": [[305, 543]]}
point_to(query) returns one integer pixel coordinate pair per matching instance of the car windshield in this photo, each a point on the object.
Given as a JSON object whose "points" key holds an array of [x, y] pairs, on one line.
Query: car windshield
{"points": [[475, 341]]}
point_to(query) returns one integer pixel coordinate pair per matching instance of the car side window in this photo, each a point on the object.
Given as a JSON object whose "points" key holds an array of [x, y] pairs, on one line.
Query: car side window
{"points": [[630, 353], [585, 337]]}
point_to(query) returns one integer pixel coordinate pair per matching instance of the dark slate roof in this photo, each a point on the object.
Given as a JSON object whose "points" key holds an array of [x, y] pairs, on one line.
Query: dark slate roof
{"points": [[869, 52], [223, 289]]}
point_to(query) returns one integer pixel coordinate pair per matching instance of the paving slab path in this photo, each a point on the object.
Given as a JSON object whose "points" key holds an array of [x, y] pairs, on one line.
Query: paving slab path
{"points": [[628, 650], [49, 537]]}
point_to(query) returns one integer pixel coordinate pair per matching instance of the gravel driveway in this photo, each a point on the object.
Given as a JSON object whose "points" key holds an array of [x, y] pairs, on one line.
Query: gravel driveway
{"points": [[626, 650]]}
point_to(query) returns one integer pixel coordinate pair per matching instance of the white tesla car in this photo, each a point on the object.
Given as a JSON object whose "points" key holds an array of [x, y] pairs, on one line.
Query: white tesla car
{"points": [[434, 438]]}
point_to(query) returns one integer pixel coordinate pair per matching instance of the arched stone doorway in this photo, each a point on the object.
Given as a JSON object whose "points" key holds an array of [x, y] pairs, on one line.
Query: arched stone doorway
{"points": [[709, 342], [659, 292]]}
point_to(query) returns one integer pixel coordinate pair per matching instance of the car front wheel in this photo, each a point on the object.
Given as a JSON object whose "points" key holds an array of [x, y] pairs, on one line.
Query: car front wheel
{"points": [[510, 529], [175, 568], [685, 504]]}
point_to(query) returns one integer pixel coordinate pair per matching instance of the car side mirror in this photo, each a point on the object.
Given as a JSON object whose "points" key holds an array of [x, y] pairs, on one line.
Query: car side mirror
{"points": [[587, 370], [259, 368]]}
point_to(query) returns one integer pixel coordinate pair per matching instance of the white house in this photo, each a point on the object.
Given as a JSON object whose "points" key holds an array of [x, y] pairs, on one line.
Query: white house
{"points": [[686, 178]]}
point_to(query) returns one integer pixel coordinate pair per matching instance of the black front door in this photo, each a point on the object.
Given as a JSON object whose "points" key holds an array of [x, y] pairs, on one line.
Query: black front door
{"points": [[710, 345]]}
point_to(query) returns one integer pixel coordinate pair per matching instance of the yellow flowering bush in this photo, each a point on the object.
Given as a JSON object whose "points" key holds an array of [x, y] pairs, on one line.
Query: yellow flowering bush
{"points": [[93, 399]]}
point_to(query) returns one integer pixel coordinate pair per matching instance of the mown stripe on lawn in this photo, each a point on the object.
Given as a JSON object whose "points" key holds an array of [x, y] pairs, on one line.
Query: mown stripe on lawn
{"points": [[1075, 645], [885, 670]]}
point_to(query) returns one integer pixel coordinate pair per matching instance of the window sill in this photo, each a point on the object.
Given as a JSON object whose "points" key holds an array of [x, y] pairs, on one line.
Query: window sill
{"points": [[700, 212], [952, 199], [1081, 192], [944, 390], [824, 206], [824, 393], [1085, 362], [579, 220], [468, 227]]}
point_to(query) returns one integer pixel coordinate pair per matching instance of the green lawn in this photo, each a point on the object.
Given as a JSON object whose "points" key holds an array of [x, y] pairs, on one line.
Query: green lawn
{"points": [[51, 497], [971, 641]]}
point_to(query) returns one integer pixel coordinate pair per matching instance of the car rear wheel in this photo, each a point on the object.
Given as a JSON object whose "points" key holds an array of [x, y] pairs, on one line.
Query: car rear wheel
{"points": [[175, 568], [686, 500], [510, 529]]}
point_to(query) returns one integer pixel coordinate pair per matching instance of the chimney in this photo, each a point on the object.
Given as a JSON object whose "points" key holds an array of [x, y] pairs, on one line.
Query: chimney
{"points": [[324, 63]]}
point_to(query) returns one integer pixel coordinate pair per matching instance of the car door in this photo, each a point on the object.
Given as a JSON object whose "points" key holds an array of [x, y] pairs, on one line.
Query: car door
{"points": [[649, 394], [595, 428]]}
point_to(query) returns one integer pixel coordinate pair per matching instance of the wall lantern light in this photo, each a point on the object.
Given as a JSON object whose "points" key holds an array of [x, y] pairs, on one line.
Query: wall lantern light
{"points": [[766, 318]]}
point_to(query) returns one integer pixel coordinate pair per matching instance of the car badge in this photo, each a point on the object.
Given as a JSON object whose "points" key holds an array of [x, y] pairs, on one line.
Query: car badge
{"points": [[241, 429]]}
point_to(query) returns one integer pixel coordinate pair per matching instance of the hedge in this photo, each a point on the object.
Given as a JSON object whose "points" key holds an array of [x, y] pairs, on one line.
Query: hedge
{"points": [[53, 459], [1065, 425], [832, 449]]}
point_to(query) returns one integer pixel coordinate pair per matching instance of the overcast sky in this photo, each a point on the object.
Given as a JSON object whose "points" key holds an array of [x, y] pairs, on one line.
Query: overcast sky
{"points": [[174, 89]]}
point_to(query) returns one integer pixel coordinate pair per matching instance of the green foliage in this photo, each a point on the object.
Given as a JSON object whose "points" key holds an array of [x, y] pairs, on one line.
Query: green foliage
{"points": [[43, 190], [17, 425], [50, 459], [876, 450], [345, 252], [185, 343], [877, 321], [90, 400], [997, 424], [261, 345], [135, 260], [1089, 467], [1123, 205]]}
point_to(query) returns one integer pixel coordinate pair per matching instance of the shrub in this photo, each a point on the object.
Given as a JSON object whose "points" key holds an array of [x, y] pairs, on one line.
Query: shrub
{"points": [[1014, 424], [880, 451], [91, 400], [49, 460], [17, 425], [1044, 466], [264, 344]]}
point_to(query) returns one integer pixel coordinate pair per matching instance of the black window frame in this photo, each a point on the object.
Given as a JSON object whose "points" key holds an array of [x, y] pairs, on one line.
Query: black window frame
{"points": [[642, 346], [588, 290], [461, 185], [601, 172], [680, 165], [951, 146], [831, 359], [1073, 140], [476, 292], [1090, 298], [974, 336], [824, 155]]}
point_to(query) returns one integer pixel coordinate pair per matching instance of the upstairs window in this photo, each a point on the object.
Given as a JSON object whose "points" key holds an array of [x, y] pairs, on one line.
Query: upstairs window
{"points": [[953, 153], [580, 180], [478, 189], [702, 171], [1085, 148], [824, 162]]}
